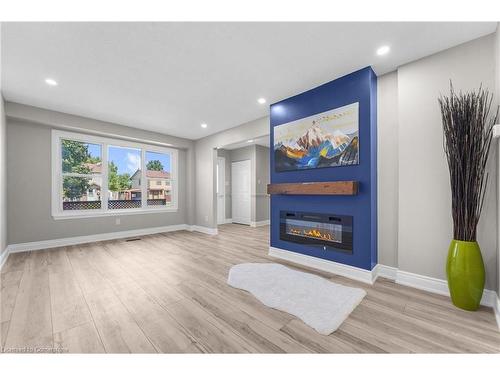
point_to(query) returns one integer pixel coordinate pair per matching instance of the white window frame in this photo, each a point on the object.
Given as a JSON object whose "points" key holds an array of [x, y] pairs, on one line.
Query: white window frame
{"points": [[105, 142]]}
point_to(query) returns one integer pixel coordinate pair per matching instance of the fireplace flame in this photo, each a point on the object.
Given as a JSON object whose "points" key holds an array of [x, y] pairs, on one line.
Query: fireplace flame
{"points": [[315, 233]]}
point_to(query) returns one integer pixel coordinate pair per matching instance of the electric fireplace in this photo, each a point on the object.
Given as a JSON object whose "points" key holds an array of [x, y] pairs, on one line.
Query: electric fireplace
{"points": [[330, 232]]}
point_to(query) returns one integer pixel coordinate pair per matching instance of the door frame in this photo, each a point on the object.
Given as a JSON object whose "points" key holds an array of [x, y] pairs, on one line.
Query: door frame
{"points": [[223, 183]]}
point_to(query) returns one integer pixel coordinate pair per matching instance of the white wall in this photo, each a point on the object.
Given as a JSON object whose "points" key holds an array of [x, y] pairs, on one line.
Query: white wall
{"points": [[425, 225]]}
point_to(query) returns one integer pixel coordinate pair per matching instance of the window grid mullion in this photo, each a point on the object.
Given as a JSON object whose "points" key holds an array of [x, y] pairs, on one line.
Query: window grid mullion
{"points": [[105, 182], [144, 180], [66, 174]]}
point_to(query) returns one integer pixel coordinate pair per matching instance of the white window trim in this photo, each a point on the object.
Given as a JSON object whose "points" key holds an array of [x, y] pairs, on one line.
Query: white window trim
{"points": [[105, 142]]}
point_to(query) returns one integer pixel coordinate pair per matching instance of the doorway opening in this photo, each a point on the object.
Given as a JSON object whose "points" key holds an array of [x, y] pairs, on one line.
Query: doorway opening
{"points": [[242, 175]]}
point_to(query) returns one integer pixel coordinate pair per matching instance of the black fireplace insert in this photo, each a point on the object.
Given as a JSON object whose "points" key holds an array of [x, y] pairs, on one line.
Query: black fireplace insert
{"points": [[331, 232]]}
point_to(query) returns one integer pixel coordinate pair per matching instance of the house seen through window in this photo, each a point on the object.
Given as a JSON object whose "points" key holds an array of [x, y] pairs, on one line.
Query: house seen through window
{"points": [[158, 178]]}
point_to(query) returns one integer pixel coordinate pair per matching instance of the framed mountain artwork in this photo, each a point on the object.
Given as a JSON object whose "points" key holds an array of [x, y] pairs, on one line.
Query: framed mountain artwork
{"points": [[327, 139]]}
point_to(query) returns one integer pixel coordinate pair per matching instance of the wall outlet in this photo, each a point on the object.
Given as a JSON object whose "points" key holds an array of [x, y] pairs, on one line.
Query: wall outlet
{"points": [[206, 219], [118, 221]]}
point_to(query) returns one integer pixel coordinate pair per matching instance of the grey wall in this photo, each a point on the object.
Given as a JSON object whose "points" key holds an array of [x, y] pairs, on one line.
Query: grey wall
{"points": [[205, 151], [387, 168], [425, 225], [262, 178], [3, 167], [29, 178], [3, 178], [496, 145]]}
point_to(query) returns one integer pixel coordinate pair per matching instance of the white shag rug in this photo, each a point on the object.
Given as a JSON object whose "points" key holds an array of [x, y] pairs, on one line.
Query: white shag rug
{"points": [[318, 302]]}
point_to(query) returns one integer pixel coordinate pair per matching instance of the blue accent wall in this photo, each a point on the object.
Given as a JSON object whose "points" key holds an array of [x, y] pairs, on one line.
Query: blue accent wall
{"points": [[361, 87]]}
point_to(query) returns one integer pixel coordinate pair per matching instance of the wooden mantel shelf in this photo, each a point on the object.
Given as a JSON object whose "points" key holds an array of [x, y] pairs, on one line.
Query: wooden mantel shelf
{"points": [[315, 188]]}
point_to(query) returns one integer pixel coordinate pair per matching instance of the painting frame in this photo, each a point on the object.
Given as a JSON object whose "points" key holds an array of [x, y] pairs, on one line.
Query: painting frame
{"points": [[327, 139]]}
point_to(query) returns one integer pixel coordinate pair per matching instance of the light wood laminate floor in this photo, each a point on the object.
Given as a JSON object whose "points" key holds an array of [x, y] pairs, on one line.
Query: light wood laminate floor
{"points": [[167, 293]]}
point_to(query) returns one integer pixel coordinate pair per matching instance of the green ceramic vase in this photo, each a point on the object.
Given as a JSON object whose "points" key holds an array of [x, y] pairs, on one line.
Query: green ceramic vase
{"points": [[465, 272]]}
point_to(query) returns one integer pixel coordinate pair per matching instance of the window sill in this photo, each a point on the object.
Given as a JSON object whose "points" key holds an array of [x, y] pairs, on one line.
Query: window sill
{"points": [[83, 215]]}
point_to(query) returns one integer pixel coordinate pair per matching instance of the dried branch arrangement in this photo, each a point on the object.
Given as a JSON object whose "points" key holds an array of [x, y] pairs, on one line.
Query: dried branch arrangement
{"points": [[468, 129]]}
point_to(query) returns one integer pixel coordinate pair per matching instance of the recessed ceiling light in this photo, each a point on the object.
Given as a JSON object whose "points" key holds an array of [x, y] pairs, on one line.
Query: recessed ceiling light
{"points": [[383, 50], [250, 141], [50, 82], [204, 125], [261, 100]]}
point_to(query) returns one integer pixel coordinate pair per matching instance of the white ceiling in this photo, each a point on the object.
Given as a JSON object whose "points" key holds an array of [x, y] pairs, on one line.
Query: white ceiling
{"points": [[171, 77], [263, 141]]}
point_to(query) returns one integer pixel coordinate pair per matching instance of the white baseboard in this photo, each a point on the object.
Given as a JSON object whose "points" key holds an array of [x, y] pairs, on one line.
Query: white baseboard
{"points": [[438, 286], [226, 221], [497, 310], [206, 230], [48, 244], [259, 223], [324, 265], [434, 285], [59, 242], [3, 257], [429, 284], [385, 271]]}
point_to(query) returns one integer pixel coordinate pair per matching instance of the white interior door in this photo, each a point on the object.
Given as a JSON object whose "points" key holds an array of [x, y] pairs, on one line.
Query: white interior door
{"points": [[221, 190], [241, 191]]}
